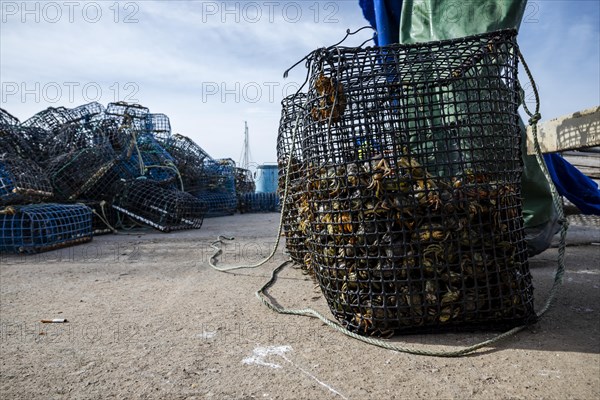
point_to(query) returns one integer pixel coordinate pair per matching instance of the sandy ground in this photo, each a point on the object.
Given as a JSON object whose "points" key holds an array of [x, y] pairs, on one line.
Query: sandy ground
{"points": [[149, 319]]}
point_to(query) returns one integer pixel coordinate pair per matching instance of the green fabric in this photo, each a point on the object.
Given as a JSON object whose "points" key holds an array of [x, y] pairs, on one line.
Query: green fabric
{"points": [[428, 20], [432, 20]]}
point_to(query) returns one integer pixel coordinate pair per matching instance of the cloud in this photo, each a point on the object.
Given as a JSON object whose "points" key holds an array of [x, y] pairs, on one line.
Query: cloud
{"points": [[177, 52]]}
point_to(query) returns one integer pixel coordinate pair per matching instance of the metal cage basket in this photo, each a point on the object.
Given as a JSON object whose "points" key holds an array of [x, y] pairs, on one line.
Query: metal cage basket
{"points": [[189, 158], [36, 228], [218, 204], [162, 208], [22, 181], [89, 174], [412, 155], [288, 147], [259, 202]]}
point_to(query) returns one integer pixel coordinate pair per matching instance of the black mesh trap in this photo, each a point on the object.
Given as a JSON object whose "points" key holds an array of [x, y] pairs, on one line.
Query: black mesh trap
{"points": [[189, 159], [412, 202], [7, 118], [244, 182], [42, 227], [90, 174], [127, 115], [294, 226], [22, 181], [78, 135], [162, 208], [51, 119], [12, 142]]}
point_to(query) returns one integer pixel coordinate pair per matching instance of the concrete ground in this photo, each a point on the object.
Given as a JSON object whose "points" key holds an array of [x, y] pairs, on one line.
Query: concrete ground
{"points": [[148, 318]]}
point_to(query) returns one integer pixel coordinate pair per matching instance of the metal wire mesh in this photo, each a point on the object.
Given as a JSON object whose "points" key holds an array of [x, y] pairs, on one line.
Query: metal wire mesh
{"points": [[22, 181], [89, 174], [155, 162], [163, 208], [244, 183], [413, 206], [189, 159], [7, 119], [259, 202], [294, 227], [159, 126], [53, 118], [218, 204], [78, 135], [12, 142], [217, 187], [42, 227]]}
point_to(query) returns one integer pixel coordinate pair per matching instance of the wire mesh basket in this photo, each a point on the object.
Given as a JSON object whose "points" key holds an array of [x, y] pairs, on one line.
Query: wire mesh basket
{"points": [[7, 118], [294, 227], [219, 175], [79, 135], [259, 202], [12, 142], [42, 227], [244, 182], [162, 208], [159, 126], [189, 158], [155, 163], [22, 181], [218, 204], [51, 119], [87, 174], [413, 206]]}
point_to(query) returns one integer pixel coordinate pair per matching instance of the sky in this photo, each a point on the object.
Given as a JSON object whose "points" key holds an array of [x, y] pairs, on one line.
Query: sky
{"points": [[211, 65]]}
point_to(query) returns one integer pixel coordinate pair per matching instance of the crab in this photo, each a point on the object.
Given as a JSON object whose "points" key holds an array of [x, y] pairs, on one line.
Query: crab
{"points": [[381, 171]]}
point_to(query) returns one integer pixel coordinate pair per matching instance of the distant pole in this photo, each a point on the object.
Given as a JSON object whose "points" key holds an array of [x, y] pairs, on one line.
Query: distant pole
{"points": [[245, 159]]}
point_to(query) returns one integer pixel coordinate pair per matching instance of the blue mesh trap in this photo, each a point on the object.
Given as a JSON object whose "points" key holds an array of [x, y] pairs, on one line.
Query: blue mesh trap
{"points": [[218, 204], [22, 181], [162, 208], [259, 202], [159, 126], [189, 159], [217, 187], [155, 163], [42, 227]]}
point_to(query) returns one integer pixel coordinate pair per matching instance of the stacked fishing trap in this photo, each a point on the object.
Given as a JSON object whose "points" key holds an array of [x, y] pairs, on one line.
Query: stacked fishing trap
{"points": [[404, 185], [68, 174], [217, 187]]}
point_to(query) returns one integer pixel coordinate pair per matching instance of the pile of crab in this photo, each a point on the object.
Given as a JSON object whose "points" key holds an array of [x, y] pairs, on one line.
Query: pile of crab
{"points": [[396, 249]]}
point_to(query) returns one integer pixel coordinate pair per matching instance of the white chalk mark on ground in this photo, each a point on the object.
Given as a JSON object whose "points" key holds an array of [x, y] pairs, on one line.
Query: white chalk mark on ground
{"points": [[206, 335], [260, 353]]}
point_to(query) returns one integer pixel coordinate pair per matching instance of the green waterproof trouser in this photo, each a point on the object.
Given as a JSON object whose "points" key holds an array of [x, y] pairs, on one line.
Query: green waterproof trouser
{"points": [[431, 20]]}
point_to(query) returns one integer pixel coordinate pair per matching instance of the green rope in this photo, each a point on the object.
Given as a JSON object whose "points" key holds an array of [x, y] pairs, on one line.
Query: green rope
{"points": [[261, 294], [556, 199]]}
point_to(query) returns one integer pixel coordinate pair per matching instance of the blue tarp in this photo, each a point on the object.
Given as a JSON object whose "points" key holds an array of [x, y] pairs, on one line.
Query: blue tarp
{"points": [[575, 186]]}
